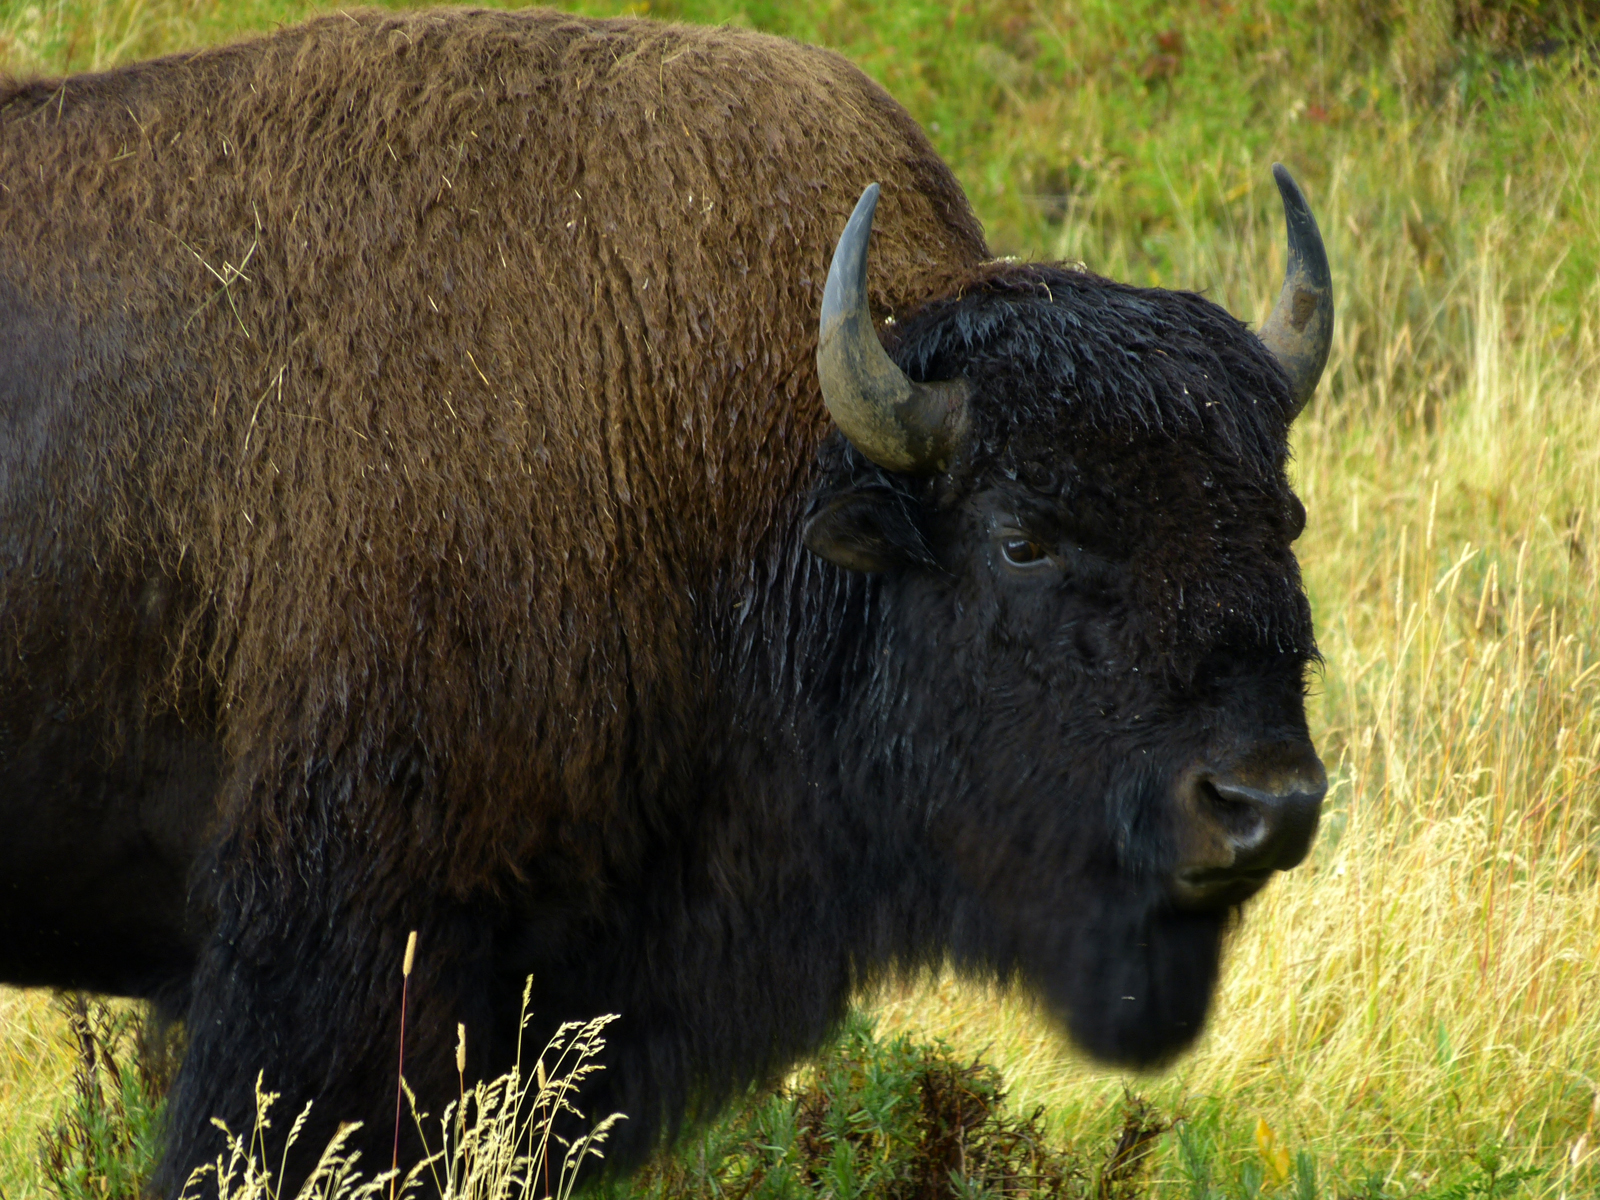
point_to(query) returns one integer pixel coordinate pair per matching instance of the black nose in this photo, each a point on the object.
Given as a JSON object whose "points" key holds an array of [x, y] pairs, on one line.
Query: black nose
{"points": [[1241, 822]]}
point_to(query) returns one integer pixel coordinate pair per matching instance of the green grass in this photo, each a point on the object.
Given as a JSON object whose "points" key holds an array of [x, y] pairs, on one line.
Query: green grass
{"points": [[898, 1118], [1416, 1012]]}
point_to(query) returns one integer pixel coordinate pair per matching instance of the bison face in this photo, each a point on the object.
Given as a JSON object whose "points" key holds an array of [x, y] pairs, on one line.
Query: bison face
{"points": [[1088, 657], [1092, 708]]}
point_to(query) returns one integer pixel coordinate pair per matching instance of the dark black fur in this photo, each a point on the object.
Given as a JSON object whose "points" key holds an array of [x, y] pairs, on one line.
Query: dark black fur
{"points": [[935, 763]]}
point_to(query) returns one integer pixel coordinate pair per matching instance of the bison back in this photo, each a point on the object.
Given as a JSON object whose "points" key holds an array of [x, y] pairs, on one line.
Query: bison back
{"points": [[440, 376]]}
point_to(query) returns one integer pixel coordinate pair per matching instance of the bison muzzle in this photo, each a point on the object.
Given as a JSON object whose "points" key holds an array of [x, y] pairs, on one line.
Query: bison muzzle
{"points": [[444, 486]]}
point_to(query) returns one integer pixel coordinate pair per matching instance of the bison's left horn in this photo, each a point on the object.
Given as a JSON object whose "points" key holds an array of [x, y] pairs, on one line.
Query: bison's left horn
{"points": [[1300, 329], [898, 423]]}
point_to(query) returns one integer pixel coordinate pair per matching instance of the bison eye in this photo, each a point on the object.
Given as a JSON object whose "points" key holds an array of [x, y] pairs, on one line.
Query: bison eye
{"points": [[1022, 552]]}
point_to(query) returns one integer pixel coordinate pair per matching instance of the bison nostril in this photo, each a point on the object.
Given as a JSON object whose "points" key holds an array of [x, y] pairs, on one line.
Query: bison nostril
{"points": [[1244, 823], [1239, 819], [1269, 828]]}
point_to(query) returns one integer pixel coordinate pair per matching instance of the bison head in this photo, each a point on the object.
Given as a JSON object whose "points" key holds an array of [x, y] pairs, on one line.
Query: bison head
{"points": [[1086, 682]]}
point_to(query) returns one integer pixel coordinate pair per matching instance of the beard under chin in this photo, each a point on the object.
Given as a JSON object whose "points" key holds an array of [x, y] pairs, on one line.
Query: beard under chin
{"points": [[1133, 985]]}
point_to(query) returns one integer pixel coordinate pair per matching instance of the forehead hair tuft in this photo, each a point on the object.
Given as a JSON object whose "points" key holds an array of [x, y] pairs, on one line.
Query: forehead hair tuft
{"points": [[1057, 352]]}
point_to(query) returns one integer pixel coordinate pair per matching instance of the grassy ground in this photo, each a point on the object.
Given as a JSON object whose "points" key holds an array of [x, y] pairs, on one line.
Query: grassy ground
{"points": [[1430, 982], [34, 1070]]}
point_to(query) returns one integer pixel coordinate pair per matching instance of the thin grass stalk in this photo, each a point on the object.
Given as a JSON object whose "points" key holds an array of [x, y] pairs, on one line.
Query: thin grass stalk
{"points": [[400, 1073]]}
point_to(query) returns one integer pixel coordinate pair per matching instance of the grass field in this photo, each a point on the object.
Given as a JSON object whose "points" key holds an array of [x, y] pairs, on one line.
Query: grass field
{"points": [[1429, 983]]}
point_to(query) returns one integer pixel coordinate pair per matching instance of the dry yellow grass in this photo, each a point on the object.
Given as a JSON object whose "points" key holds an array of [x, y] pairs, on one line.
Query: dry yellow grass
{"points": [[34, 1070]]}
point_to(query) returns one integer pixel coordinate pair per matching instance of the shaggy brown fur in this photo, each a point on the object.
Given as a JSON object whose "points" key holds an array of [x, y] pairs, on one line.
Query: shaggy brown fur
{"points": [[535, 384]]}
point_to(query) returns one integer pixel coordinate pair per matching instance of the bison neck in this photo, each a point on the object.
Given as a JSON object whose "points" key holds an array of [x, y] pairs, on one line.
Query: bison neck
{"points": [[768, 872]]}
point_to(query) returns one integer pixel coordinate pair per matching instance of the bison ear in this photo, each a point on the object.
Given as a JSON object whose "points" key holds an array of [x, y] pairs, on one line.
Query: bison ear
{"points": [[866, 529]]}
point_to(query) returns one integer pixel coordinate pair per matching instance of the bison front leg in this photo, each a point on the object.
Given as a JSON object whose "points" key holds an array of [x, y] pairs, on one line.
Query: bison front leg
{"points": [[301, 986]]}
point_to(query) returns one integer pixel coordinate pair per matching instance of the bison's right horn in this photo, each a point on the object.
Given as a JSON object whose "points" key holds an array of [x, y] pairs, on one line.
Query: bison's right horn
{"points": [[898, 423], [1300, 329]]}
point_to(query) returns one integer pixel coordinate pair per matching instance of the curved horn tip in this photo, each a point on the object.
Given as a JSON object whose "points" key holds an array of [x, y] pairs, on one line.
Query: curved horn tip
{"points": [[1299, 333], [1293, 197], [1304, 236], [846, 288], [868, 202]]}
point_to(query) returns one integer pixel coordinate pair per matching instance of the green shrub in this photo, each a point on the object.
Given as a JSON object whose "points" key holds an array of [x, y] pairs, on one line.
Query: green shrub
{"points": [[106, 1139], [895, 1119]]}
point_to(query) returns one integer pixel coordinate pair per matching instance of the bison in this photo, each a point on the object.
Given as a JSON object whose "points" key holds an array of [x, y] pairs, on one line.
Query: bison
{"points": [[430, 501]]}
